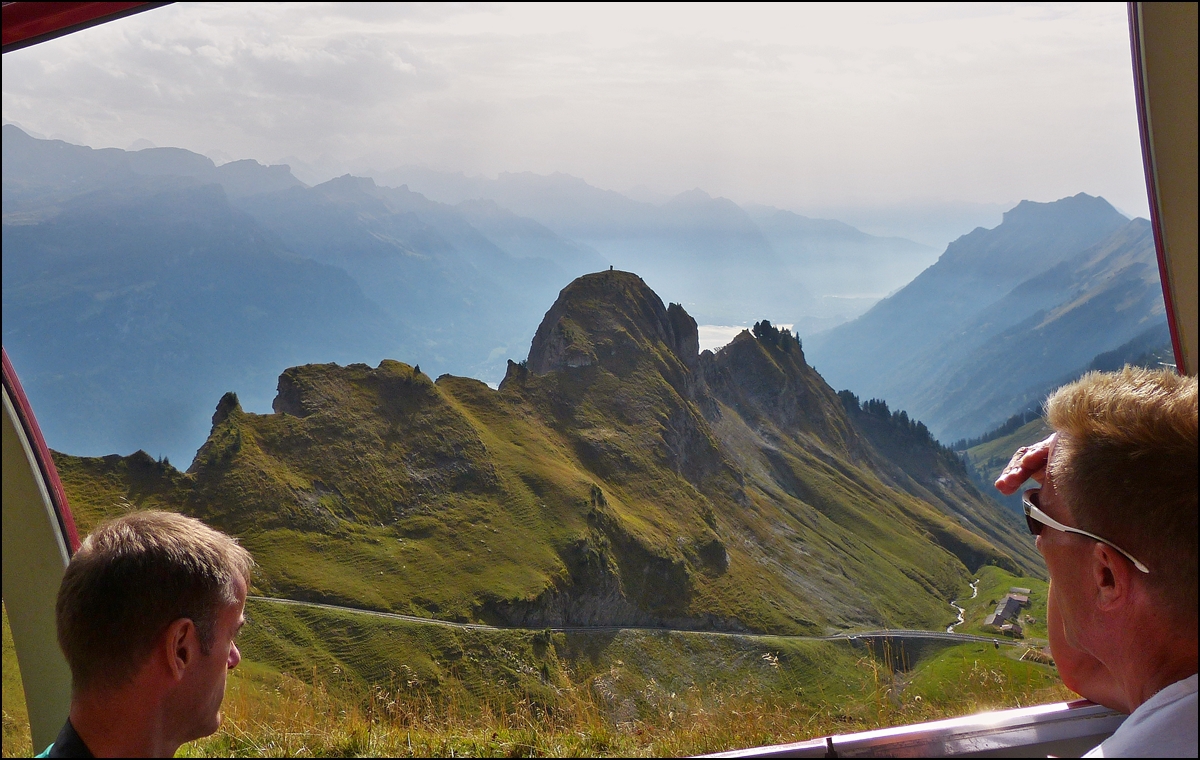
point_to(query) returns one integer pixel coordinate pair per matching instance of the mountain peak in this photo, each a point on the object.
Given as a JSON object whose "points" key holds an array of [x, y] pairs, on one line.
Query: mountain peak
{"points": [[611, 318], [695, 195], [1080, 206], [349, 182]]}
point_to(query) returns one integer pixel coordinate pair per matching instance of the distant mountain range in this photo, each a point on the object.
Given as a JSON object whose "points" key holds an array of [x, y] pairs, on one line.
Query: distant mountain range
{"points": [[987, 455], [617, 477], [128, 304], [1002, 315], [137, 282], [618, 474], [711, 254]]}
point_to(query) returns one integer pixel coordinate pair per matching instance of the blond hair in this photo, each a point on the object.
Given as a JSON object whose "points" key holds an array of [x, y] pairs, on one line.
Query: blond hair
{"points": [[133, 577], [1126, 467]]}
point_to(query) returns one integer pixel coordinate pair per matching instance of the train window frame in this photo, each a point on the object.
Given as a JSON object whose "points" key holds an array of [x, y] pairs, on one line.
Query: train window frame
{"points": [[1153, 42]]}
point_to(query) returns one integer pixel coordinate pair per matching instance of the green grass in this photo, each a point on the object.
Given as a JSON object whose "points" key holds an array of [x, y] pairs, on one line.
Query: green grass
{"points": [[316, 682], [993, 585], [452, 500], [976, 677]]}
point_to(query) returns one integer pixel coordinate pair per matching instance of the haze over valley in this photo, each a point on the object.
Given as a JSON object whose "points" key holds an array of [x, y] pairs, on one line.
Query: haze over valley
{"points": [[351, 270], [104, 250]]}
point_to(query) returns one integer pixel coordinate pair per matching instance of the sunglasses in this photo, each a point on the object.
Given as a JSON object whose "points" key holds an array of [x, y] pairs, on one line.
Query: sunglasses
{"points": [[1037, 520]]}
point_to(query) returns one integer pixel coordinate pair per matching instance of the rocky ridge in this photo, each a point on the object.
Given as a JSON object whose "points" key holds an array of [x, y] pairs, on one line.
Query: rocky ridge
{"points": [[617, 477]]}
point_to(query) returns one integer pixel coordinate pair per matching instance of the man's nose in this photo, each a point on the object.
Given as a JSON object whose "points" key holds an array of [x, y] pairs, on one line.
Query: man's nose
{"points": [[234, 657]]}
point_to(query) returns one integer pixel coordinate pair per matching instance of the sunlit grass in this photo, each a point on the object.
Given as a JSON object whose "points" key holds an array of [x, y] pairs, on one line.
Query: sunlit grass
{"points": [[323, 683], [994, 583], [280, 715]]}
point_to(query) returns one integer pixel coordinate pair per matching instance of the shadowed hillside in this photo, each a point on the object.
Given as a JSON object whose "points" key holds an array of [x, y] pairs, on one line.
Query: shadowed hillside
{"points": [[617, 476]]}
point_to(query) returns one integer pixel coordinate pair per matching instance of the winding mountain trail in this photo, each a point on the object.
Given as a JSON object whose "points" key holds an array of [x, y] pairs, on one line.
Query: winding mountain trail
{"points": [[961, 611], [875, 634]]}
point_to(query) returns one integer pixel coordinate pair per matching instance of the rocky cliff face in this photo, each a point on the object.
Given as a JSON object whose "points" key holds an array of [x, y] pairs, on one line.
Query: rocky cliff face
{"points": [[617, 477], [612, 319], [738, 424]]}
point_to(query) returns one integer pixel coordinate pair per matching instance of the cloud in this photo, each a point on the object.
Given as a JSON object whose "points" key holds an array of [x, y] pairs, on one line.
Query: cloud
{"points": [[790, 105]]}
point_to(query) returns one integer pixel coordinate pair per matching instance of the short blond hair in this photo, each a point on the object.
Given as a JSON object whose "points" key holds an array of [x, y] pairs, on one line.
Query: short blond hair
{"points": [[1126, 467], [133, 577]]}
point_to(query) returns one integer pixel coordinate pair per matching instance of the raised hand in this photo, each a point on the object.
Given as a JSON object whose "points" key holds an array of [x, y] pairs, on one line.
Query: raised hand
{"points": [[1027, 462]]}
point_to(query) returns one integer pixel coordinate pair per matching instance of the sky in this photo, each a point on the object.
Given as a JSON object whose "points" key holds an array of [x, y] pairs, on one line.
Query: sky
{"points": [[826, 110]]}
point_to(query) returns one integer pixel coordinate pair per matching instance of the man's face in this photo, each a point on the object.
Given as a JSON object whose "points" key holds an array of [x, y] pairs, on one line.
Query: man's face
{"points": [[206, 689], [1067, 558]]}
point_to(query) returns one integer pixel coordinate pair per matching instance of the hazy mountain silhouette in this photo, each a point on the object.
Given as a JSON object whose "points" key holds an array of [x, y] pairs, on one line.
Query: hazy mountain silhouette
{"points": [[850, 269], [192, 270], [40, 172], [424, 263], [1002, 310], [137, 282], [129, 303], [708, 253]]}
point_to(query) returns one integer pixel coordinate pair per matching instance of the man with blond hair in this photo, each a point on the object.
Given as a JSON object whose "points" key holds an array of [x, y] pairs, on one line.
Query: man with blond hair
{"points": [[1115, 519], [146, 615]]}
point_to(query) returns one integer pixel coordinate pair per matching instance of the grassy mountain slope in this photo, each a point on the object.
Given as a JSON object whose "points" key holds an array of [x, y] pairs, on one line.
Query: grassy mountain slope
{"points": [[617, 477], [936, 474], [325, 683]]}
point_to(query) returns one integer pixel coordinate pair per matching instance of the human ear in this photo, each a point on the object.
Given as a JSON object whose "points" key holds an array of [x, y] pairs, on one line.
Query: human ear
{"points": [[181, 646], [1111, 575]]}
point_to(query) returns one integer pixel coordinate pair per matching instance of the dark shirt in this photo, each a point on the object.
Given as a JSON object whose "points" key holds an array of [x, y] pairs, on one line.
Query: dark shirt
{"points": [[68, 744]]}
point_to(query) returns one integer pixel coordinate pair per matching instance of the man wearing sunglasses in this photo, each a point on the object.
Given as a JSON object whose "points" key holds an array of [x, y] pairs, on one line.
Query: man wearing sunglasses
{"points": [[1115, 519]]}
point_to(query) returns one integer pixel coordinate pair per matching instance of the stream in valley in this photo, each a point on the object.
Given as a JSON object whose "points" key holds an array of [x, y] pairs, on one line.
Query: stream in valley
{"points": [[960, 610]]}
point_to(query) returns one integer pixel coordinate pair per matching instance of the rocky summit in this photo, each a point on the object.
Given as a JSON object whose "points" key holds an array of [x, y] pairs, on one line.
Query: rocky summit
{"points": [[618, 476]]}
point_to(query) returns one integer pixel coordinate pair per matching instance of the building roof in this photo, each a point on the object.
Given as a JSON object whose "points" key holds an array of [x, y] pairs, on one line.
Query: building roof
{"points": [[1007, 607]]}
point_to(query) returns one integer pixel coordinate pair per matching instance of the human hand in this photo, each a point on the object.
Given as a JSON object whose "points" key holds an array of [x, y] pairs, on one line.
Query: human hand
{"points": [[1027, 462]]}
